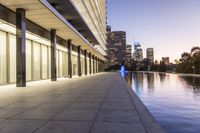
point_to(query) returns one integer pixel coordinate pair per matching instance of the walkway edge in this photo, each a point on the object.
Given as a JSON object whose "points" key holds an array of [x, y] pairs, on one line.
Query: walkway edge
{"points": [[150, 123]]}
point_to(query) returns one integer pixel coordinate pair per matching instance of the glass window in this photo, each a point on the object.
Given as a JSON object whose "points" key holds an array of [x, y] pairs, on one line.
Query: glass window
{"points": [[12, 59], [88, 66], [60, 64], [57, 63], [65, 64], [44, 62], [36, 56], [74, 64], [49, 62], [92, 65], [28, 60], [2, 57], [82, 66]]}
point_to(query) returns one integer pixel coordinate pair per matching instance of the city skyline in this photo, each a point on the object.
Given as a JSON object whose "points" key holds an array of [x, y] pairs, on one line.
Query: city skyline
{"points": [[171, 27]]}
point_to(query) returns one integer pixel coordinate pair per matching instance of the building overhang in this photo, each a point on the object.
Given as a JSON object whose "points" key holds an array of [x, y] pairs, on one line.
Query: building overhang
{"points": [[43, 14], [68, 11]]}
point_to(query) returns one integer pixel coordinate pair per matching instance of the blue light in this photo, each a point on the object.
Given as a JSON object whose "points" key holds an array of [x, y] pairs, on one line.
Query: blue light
{"points": [[123, 71]]}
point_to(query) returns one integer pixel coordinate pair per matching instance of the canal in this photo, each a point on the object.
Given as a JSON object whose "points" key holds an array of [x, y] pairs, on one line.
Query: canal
{"points": [[173, 100]]}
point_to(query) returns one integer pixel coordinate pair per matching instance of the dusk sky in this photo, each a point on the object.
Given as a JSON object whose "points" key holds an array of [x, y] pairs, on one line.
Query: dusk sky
{"points": [[170, 26]]}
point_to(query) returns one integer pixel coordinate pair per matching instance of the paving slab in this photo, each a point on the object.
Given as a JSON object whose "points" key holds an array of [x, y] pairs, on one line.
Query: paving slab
{"points": [[117, 106], [99, 103], [118, 127], [117, 116], [19, 126], [38, 114], [76, 115], [65, 127]]}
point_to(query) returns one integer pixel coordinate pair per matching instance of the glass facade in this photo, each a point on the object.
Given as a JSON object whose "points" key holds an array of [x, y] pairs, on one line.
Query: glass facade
{"points": [[12, 59], [88, 66], [44, 62], [65, 64], [60, 56], [74, 65], [82, 66], [38, 60], [3, 50], [28, 60], [92, 66]]}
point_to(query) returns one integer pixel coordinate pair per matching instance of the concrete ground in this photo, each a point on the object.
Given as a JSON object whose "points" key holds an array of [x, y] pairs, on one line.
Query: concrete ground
{"points": [[101, 103]]}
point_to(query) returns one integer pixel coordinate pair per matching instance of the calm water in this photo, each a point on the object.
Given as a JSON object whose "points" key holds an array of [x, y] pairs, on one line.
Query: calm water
{"points": [[173, 100]]}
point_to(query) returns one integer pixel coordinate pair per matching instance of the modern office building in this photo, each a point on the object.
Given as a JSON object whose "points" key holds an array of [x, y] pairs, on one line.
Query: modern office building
{"points": [[138, 53], [128, 54], [47, 39], [150, 54], [166, 60], [136, 46], [116, 46]]}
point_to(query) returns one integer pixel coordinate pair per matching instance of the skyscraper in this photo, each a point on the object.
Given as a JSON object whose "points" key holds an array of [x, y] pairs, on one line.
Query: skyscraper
{"points": [[128, 54], [116, 47], [150, 54], [138, 53], [166, 60]]}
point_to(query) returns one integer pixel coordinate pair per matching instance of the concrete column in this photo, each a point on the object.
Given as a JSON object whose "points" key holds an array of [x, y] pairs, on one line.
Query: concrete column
{"points": [[53, 55], [79, 61], [20, 48], [69, 45], [85, 61], [90, 63], [96, 65], [93, 64]]}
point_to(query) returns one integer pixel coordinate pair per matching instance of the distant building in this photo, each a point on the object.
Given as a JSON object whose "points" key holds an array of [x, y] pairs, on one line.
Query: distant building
{"points": [[150, 54], [138, 53], [116, 46], [128, 54], [165, 59], [136, 46]]}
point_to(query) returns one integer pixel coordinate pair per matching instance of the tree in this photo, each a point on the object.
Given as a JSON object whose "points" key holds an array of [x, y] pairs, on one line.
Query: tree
{"points": [[189, 62]]}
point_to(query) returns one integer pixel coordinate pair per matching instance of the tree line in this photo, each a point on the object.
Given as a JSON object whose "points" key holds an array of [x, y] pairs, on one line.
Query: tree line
{"points": [[188, 63]]}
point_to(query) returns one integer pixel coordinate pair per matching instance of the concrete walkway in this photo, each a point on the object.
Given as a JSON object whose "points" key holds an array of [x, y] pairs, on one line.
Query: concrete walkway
{"points": [[101, 103]]}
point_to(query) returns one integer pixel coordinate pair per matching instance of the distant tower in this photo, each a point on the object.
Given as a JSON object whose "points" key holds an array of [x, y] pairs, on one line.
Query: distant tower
{"points": [[165, 59], [116, 45], [138, 53], [150, 54]]}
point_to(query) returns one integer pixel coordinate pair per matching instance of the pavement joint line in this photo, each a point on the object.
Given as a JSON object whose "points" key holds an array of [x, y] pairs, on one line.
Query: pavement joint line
{"points": [[100, 107], [57, 113], [26, 110], [123, 82]]}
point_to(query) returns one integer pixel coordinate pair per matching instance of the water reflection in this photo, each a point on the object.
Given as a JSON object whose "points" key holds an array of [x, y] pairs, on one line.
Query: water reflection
{"points": [[194, 82], [174, 100], [150, 82], [162, 76]]}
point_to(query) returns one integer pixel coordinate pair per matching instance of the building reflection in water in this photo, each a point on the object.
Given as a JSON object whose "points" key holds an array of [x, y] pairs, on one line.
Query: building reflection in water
{"points": [[129, 78], [171, 98], [162, 77], [137, 82], [150, 82], [194, 82]]}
